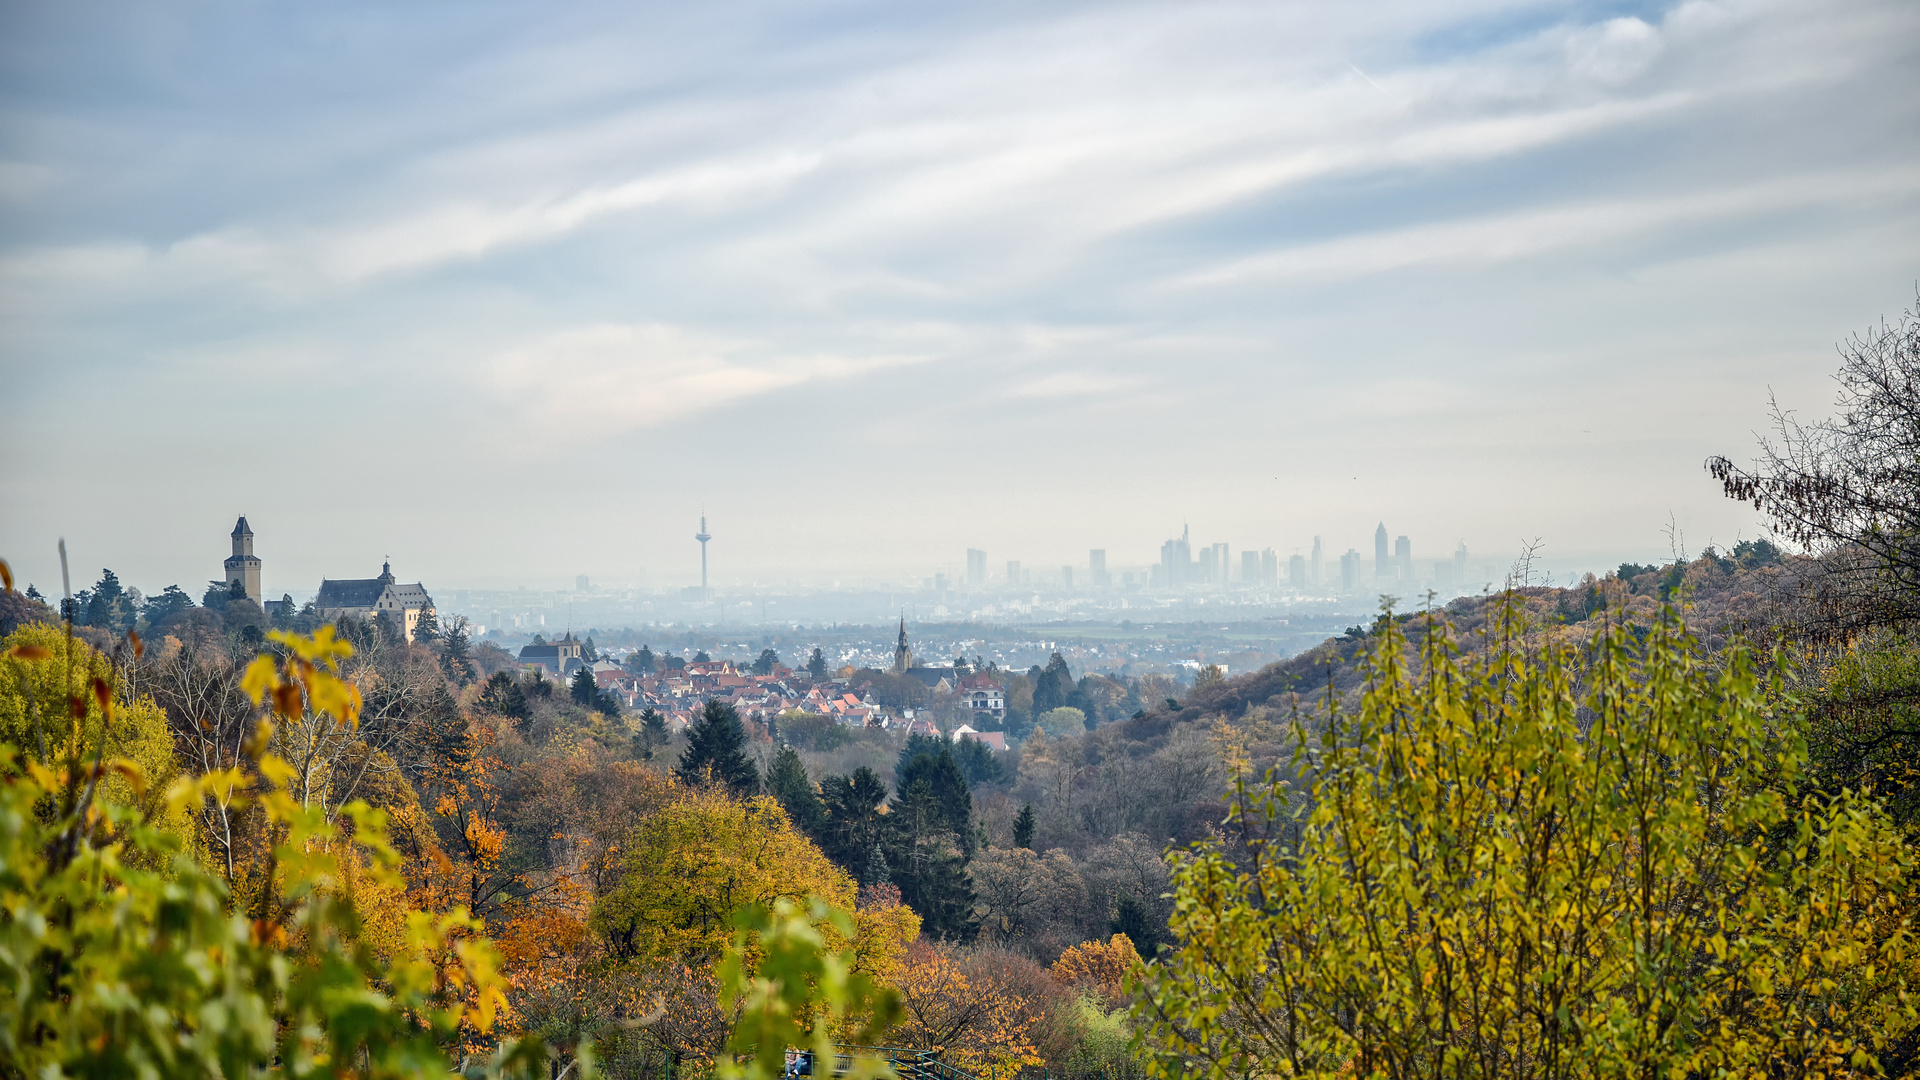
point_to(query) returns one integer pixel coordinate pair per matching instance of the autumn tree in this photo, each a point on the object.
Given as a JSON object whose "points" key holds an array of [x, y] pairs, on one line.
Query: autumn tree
{"points": [[1846, 488], [1589, 860], [690, 866], [976, 1009], [716, 751]]}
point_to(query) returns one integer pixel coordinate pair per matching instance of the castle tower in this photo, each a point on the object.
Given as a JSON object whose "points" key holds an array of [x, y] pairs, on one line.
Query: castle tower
{"points": [[902, 655], [242, 566]]}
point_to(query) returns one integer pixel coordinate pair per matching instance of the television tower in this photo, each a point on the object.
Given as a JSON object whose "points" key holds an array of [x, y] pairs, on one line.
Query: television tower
{"points": [[703, 538]]}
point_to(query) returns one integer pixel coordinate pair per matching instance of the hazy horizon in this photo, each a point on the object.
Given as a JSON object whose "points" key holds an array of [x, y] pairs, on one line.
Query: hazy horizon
{"points": [[510, 294]]}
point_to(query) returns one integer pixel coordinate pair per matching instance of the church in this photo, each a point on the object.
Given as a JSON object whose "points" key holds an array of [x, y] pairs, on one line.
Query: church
{"points": [[371, 597]]}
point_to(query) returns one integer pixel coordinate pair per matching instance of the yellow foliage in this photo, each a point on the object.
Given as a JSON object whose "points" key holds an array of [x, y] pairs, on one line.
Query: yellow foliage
{"points": [[1104, 965], [972, 1015], [689, 867], [58, 705]]}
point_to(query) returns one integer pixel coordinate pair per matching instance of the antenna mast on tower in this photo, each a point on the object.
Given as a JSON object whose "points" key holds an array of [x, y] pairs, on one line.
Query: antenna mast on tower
{"points": [[703, 538]]}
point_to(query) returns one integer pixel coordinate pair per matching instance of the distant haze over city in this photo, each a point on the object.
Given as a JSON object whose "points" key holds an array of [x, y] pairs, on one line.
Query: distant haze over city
{"points": [[509, 295]]}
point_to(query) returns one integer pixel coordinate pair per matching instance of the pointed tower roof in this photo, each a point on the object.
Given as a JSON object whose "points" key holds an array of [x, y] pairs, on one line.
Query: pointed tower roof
{"points": [[240, 527]]}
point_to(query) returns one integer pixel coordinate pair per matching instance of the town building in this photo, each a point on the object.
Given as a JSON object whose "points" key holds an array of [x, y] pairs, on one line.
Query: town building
{"points": [[556, 659], [369, 598]]}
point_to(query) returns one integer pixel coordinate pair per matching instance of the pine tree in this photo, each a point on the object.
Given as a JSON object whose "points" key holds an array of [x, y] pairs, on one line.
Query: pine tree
{"points": [[642, 662], [716, 751], [1023, 828], [504, 697], [817, 664], [787, 781], [930, 862], [930, 760], [583, 687], [427, 630], [457, 658], [767, 661], [854, 823]]}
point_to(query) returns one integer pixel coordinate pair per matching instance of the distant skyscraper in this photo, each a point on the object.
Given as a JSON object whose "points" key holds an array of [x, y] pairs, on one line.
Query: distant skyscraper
{"points": [[1176, 561], [1382, 567], [1269, 567], [1297, 572], [1403, 558], [976, 568], [1250, 566], [1313, 566], [1220, 561], [1013, 573], [580, 583], [1460, 566], [1066, 576], [1350, 571], [1097, 567]]}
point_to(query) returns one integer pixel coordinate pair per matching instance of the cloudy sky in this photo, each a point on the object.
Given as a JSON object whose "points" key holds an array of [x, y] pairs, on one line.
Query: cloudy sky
{"points": [[512, 292]]}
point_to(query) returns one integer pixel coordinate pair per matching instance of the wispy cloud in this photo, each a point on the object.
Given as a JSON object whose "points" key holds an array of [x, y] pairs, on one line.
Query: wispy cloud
{"points": [[587, 382]]}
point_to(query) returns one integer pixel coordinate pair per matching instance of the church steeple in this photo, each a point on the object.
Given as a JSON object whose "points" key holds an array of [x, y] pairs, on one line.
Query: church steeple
{"points": [[902, 654]]}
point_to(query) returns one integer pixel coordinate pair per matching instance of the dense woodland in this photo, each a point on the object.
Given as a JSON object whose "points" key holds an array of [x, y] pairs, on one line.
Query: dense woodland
{"points": [[1661, 821]]}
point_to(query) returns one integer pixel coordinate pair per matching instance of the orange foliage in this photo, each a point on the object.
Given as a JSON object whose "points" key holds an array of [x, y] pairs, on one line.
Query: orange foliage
{"points": [[977, 1009], [1097, 965]]}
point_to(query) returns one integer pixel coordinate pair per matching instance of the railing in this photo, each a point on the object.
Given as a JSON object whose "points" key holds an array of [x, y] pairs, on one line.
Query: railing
{"points": [[908, 1063]]}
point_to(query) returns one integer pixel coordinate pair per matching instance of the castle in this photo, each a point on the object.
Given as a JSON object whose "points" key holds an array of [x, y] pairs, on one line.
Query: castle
{"points": [[372, 597]]}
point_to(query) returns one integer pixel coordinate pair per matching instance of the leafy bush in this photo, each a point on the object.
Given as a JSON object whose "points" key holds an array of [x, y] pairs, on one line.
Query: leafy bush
{"points": [[1578, 862]]}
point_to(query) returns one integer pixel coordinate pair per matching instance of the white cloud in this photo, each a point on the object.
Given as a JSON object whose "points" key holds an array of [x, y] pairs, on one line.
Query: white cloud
{"points": [[593, 380]]}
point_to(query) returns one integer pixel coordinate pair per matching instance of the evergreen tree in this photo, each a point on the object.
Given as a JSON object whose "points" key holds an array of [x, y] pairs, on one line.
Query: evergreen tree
{"points": [[767, 661], [427, 630], [536, 685], [165, 606], [977, 762], [817, 664], [1053, 686], [642, 661], [787, 781], [503, 697], [854, 824], [701, 657], [930, 862], [930, 761], [716, 750], [588, 652], [583, 687], [1023, 828], [653, 733], [104, 605], [457, 656]]}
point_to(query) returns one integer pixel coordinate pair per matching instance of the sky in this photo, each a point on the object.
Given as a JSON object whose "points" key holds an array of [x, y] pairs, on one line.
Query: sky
{"points": [[509, 292]]}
